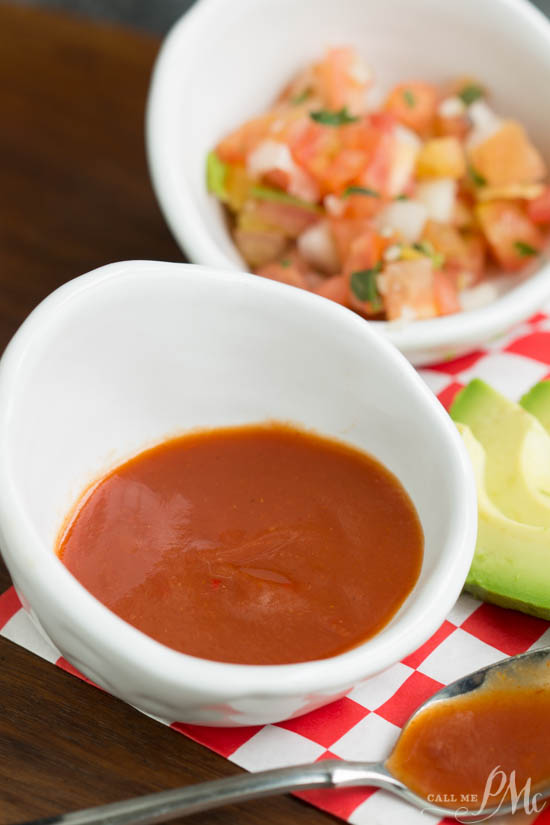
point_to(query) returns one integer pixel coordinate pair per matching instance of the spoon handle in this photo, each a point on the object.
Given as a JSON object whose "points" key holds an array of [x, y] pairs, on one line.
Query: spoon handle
{"points": [[166, 805]]}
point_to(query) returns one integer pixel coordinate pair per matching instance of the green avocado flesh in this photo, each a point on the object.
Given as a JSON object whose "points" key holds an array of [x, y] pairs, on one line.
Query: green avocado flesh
{"points": [[517, 449], [537, 402], [216, 170], [511, 565]]}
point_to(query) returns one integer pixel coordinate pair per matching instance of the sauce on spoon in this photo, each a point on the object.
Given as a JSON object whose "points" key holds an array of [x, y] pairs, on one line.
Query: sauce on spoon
{"points": [[476, 749]]}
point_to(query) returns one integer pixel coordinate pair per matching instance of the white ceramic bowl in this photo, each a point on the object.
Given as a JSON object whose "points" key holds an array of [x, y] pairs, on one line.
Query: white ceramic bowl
{"points": [[125, 356], [225, 61]]}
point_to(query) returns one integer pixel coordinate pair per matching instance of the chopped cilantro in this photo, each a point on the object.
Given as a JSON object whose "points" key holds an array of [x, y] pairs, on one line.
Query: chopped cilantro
{"points": [[328, 118], [470, 93], [216, 170], [361, 190], [525, 249], [477, 179], [423, 246], [401, 197], [363, 286], [301, 98], [409, 98], [285, 262]]}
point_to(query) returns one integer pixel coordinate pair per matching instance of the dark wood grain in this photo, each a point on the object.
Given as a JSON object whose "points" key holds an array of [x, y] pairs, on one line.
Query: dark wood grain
{"points": [[74, 194]]}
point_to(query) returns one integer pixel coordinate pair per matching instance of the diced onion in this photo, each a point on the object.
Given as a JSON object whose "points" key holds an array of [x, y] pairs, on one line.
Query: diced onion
{"points": [[407, 218], [478, 296], [334, 205], [317, 246], [405, 135], [451, 107], [270, 155], [438, 197], [393, 252], [484, 121]]}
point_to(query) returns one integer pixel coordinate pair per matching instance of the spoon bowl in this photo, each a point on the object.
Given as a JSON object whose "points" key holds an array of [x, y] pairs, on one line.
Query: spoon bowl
{"points": [[526, 670]]}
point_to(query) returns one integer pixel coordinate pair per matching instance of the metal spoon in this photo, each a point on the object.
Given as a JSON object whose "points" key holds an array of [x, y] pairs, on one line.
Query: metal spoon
{"points": [[166, 805]]}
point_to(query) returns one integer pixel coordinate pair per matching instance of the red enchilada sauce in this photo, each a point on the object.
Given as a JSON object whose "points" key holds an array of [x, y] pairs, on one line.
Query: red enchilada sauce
{"points": [[481, 749], [260, 544]]}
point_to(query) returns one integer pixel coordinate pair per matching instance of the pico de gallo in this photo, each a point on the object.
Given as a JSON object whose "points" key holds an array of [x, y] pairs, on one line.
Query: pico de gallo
{"points": [[398, 211]]}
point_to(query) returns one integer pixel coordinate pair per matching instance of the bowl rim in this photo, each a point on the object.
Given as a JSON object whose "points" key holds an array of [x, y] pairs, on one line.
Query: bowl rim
{"points": [[456, 332], [39, 567]]}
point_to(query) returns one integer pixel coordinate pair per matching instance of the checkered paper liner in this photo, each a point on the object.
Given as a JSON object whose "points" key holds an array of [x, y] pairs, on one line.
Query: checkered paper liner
{"points": [[365, 724]]}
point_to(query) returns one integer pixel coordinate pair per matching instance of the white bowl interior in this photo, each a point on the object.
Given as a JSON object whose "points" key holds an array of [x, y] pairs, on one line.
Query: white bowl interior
{"points": [[224, 62]]}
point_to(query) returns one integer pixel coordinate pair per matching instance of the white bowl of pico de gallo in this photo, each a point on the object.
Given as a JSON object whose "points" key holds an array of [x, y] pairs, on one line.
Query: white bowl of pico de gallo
{"points": [[393, 157]]}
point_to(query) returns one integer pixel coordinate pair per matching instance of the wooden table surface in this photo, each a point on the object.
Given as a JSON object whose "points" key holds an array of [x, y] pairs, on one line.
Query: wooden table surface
{"points": [[75, 194]]}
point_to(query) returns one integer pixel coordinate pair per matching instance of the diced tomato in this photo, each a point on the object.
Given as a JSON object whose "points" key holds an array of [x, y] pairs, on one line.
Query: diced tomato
{"points": [[463, 216], [259, 246], [277, 178], [538, 209], [409, 290], [291, 268], [335, 288], [288, 218], [511, 235], [361, 207], [382, 142], [447, 240], [365, 254], [357, 153], [322, 152], [365, 251], [283, 271], [476, 255], [464, 252], [507, 157], [445, 293], [342, 79], [441, 148], [414, 104], [238, 144], [345, 231], [278, 124], [288, 119], [457, 126]]}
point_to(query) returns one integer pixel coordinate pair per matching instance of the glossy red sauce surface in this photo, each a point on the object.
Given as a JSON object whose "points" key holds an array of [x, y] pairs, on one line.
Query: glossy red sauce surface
{"points": [[455, 751], [257, 544]]}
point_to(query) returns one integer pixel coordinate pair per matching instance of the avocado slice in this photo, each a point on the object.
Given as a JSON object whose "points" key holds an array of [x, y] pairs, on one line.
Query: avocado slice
{"points": [[537, 402], [511, 565], [517, 447]]}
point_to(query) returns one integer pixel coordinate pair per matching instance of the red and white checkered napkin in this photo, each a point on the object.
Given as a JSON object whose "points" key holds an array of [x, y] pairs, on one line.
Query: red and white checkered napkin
{"points": [[365, 724]]}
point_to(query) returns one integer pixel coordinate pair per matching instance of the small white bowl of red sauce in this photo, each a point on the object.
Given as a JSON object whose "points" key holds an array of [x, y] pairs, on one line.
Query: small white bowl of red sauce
{"points": [[216, 511], [417, 193]]}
